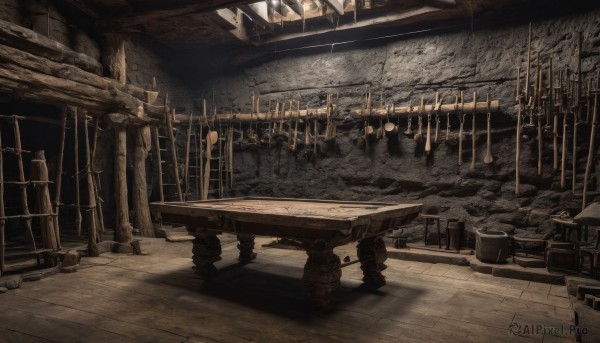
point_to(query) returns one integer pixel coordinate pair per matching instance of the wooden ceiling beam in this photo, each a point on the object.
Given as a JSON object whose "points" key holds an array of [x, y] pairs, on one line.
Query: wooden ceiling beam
{"points": [[232, 22], [258, 12], [388, 18], [166, 10], [295, 5], [337, 6]]}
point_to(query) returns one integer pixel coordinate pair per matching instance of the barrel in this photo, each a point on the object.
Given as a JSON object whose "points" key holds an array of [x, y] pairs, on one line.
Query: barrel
{"points": [[491, 246]]}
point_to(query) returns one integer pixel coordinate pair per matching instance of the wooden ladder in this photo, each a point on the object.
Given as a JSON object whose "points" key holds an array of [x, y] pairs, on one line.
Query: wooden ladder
{"points": [[164, 141], [194, 170], [22, 183]]}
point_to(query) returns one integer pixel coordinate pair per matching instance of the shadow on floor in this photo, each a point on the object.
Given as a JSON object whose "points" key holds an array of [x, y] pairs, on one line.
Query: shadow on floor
{"points": [[279, 289]]}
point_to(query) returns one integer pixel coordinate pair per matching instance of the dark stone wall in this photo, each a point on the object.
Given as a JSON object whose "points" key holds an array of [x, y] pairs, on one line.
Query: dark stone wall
{"points": [[404, 70]]}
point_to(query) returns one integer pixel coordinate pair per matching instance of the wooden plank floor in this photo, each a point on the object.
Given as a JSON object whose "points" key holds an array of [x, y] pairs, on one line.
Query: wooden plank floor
{"points": [[156, 298]]}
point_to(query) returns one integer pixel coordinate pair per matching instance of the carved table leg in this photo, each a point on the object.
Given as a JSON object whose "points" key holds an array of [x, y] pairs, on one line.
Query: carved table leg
{"points": [[372, 253], [246, 247], [207, 250], [322, 274]]}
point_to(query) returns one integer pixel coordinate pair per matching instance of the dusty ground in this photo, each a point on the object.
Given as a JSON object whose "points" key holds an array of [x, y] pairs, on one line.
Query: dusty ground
{"points": [[156, 298]]}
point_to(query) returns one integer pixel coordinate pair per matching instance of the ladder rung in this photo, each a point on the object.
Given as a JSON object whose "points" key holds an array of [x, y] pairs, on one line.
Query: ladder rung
{"points": [[18, 183]]}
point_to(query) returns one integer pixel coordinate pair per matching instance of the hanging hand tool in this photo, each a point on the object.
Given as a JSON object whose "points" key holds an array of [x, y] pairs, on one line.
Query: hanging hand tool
{"points": [[438, 105], [450, 138], [428, 139], [473, 132], [577, 115], [488, 152], [408, 130], [316, 137], [591, 152], [527, 75], [529, 106], [554, 114], [461, 119], [540, 114], [564, 111], [419, 135]]}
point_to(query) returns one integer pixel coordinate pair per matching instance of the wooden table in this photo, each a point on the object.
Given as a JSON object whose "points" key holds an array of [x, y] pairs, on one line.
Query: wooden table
{"points": [[320, 225]]}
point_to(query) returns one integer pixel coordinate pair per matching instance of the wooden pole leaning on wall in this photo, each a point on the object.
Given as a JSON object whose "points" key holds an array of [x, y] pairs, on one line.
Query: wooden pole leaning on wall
{"points": [[76, 176], [93, 208], [2, 214], [96, 176], [59, 172], [23, 185], [39, 174]]}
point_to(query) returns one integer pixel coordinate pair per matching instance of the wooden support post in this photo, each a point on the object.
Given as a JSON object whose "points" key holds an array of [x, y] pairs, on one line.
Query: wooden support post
{"points": [[23, 186], [123, 229], [141, 208], [93, 209], [39, 172]]}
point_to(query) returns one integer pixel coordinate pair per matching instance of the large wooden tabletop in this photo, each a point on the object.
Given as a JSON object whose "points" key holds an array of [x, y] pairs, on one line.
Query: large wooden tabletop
{"points": [[286, 217]]}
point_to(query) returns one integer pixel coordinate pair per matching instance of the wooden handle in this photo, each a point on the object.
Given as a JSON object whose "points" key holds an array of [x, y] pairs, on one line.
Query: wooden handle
{"points": [[564, 153], [574, 155], [460, 139], [539, 139], [518, 153], [428, 141], [590, 158], [473, 135], [555, 142], [488, 154]]}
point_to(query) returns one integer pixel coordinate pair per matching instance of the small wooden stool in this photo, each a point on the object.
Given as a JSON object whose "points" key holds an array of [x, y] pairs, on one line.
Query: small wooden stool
{"points": [[431, 218]]}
